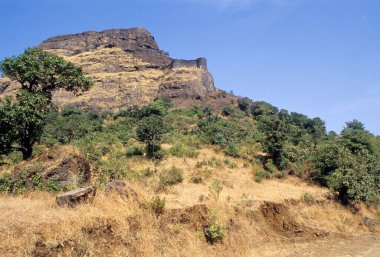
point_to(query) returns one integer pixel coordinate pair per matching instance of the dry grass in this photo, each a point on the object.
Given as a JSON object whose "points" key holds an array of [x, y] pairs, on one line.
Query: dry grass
{"points": [[32, 224]]}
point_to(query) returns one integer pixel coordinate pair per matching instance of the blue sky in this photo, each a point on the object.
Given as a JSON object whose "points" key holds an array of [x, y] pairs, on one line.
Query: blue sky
{"points": [[317, 57]]}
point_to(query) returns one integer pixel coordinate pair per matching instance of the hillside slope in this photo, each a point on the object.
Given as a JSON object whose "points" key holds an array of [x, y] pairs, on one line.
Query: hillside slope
{"points": [[271, 218]]}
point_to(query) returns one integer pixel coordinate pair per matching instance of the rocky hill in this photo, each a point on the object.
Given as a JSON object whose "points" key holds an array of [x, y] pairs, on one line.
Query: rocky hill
{"points": [[128, 68]]}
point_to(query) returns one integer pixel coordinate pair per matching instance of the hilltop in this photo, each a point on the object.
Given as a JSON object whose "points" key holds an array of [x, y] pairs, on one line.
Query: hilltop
{"points": [[129, 69]]}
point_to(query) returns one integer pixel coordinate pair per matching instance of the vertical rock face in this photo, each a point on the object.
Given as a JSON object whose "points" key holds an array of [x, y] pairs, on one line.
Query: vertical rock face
{"points": [[128, 69]]}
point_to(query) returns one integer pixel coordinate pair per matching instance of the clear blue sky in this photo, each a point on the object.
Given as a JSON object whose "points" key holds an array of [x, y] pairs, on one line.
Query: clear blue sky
{"points": [[317, 57]]}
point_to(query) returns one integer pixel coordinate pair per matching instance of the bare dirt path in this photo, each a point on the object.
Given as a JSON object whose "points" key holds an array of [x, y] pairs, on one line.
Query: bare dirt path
{"points": [[367, 245]]}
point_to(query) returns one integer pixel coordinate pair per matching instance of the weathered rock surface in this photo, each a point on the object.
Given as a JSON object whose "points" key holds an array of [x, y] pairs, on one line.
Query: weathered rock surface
{"points": [[129, 69], [121, 188], [63, 165], [78, 196]]}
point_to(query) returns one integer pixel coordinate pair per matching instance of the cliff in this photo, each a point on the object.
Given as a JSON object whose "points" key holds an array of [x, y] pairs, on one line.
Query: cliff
{"points": [[128, 68]]}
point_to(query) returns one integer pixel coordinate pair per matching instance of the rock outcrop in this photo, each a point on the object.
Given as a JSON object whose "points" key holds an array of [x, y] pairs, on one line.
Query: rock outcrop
{"points": [[129, 69], [75, 197], [61, 165]]}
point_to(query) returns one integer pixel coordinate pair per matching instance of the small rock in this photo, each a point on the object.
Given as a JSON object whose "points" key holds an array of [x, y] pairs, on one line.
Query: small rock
{"points": [[73, 198], [116, 187]]}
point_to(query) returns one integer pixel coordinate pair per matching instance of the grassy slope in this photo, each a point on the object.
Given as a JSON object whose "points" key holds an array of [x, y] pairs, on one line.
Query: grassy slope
{"points": [[32, 224]]}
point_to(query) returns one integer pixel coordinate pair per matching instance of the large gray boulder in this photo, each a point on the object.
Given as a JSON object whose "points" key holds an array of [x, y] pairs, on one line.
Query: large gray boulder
{"points": [[78, 196]]}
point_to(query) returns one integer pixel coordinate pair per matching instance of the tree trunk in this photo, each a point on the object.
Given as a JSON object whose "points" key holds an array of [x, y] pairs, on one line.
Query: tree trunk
{"points": [[26, 149]]}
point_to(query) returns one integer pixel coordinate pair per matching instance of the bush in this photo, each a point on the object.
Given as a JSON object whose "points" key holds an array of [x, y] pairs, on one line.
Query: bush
{"points": [[260, 174], [308, 198], [170, 177], [157, 205], [214, 233], [270, 167], [232, 150], [230, 164], [196, 178], [29, 178], [216, 188], [181, 150], [134, 151], [150, 130]]}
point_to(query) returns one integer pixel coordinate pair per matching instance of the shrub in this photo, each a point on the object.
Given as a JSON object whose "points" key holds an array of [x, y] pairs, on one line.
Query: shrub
{"points": [[214, 233], [157, 205], [270, 167], [196, 178], [232, 150], [216, 188], [134, 151], [150, 130], [182, 150], [230, 164], [260, 174], [170, 177], [308, 198]]}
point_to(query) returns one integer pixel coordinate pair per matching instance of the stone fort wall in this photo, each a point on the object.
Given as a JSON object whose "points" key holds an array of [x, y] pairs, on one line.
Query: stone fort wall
{"points": [[198, 63]]}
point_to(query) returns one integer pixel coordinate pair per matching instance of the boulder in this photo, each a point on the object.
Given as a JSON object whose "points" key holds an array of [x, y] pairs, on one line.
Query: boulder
{"points": [[62, 165], [121, 188], [75, 197]]}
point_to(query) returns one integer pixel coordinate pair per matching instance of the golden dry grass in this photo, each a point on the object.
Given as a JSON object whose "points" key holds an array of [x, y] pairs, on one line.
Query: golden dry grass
{"points": [[32, 224]]}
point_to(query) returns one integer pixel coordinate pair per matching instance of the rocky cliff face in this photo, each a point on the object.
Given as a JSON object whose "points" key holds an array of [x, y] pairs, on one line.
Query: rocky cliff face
{"points": [[129, 69]]}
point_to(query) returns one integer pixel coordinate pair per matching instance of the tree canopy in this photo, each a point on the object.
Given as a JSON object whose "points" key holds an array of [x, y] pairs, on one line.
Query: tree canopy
{"points": [[39, 73]]}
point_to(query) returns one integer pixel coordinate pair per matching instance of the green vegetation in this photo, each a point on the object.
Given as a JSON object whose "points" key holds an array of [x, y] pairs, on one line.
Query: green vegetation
{"points": [[38, 73], [170, 177], [157, 205], [150, 130], [214, 233], [275, 142]]}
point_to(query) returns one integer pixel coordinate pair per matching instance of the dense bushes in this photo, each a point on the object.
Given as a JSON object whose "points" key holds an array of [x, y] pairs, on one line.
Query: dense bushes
{"points": [[285, 143]]}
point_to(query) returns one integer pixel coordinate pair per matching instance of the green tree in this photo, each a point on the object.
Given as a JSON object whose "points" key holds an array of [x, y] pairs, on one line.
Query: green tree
{"points": [[22, 122], [149, 130], [38, 73], [261, 108], [275, 133], [244, 103], [356, 138]]}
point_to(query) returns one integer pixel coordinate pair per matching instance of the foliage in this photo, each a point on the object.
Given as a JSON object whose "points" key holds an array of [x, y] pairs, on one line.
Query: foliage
{"points": [[244, 103], [260, 174], [170, 177], [134, 151], [28, 178], [150, 130], [157, 205], [214, 233], [216, 188], [39, 71], [261, 108], [181, 150], [70, 124], [308, 198], [22, 121]]}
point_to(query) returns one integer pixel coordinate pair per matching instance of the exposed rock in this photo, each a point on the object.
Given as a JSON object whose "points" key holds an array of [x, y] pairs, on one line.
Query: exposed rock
{"points": [[121, 188], [129, 69], [78, 196], [62, 165]]}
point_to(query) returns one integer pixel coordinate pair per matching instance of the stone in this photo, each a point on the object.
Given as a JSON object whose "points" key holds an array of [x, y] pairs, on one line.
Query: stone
{"points": [[129, 69], [121, 188], [116, 187], [63, 165], [75, 197]]}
